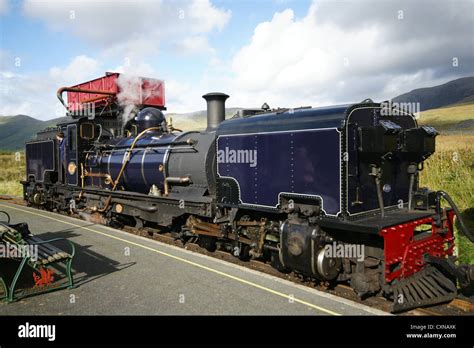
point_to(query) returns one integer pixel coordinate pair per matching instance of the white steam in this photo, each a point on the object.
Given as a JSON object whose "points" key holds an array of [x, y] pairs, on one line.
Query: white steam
{"points": [[132, 94]]}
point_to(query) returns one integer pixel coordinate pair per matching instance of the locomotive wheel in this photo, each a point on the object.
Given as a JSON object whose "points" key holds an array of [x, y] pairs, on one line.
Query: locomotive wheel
{"points": [[244, 252], [276, 263], [328, 268], [208, 243]]}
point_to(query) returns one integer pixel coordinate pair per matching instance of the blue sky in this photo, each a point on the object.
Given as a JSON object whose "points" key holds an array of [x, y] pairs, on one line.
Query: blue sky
{"points": [[284, 52], [40, 47]]}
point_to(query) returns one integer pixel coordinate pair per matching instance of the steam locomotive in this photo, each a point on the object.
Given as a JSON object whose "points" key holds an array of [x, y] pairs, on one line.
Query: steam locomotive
{"points": [[292, 187]]}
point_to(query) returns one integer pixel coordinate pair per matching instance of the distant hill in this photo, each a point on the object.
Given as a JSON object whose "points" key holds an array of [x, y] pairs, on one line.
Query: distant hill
{"points": [[197, 119], [16, 130], [453, 92], [453, 118]]}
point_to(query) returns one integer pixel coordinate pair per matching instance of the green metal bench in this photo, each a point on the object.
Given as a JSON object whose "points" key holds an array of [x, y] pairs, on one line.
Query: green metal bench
{"points": [[41, 256]]}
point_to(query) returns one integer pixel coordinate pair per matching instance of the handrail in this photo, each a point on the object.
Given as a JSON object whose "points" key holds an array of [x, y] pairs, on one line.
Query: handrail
{"points": [[60, 92]]}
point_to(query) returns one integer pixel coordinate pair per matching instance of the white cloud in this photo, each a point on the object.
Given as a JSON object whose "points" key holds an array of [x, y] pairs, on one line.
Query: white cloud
{"points": [[205, 17], [34, 94], [127, 26], [182, 97], [194, 45], [4, 7], [6, 60], [140, 69], [348, 51], [79, 69]]}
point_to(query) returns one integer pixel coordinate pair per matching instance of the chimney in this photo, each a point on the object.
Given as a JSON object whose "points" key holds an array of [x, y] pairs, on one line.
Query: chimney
{"points": [[215, 109]]}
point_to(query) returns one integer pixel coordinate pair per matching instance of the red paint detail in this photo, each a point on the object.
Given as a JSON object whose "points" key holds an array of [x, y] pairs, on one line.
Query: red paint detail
{"points": [[404, 254], [46, 277], [150, 92]]}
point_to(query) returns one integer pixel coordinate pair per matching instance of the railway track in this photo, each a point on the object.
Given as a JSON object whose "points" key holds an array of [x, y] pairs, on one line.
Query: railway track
{"points": [[458, 306]]}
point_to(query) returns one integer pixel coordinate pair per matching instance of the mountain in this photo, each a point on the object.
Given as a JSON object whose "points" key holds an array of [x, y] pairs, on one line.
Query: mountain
{"points": [[197, 119], [453, 92], [16, 130]]}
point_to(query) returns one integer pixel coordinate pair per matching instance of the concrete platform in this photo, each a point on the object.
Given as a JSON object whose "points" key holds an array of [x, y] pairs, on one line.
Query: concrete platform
{"points": [[118, 273]]}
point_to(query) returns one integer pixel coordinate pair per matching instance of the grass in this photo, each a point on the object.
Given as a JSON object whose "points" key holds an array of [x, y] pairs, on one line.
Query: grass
{"points": [[12, 170], [448, 117], [451, 169]]}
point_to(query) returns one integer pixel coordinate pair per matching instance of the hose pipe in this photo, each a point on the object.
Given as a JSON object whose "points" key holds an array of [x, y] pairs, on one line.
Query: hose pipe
{"points": [[462, 226]]}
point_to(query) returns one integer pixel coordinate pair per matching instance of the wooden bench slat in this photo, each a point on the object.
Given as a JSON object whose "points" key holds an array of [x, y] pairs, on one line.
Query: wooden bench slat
{"points": [[48, 248], [51, 247]]}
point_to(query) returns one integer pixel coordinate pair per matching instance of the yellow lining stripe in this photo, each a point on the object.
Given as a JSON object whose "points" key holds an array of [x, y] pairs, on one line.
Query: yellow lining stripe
{"points": [[185, 261]]}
